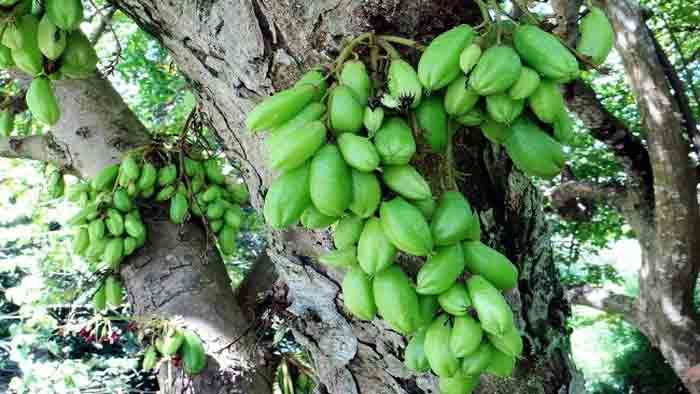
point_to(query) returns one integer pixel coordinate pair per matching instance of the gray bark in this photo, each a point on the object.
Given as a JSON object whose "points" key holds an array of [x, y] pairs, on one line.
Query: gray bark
{"points": [[235, 52]]}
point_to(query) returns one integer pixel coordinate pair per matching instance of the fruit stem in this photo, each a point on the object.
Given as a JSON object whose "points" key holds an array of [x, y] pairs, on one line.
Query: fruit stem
{"points": [[401, 41], [390, 50], [522, 4], [484, 12], [347, 51]]}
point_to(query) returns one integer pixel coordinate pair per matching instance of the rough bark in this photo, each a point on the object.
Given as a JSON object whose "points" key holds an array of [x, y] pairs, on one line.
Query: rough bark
{"points": [[177, 273], [236, 51]]}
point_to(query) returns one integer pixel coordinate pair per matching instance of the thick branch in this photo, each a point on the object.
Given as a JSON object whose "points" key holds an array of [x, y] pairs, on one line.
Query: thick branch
{"points": [[605, 301], [105, 21], [36, 147], [567, 17], [576, 200], [607, 128]]}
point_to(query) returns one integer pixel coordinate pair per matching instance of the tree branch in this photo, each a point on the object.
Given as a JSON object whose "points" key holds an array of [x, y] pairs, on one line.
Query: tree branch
{"points": [[36, 147], [605, 301], [105, 21], [576, 200], [607, 128]]}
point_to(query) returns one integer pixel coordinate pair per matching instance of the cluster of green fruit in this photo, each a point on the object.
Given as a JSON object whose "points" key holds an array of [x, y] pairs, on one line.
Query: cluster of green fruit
{"points": [[109, 225], [43, 39], [184, 345], [458, 329]]}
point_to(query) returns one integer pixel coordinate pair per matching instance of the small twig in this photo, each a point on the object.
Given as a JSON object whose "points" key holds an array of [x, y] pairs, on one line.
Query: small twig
{"points": [[390, 50]]}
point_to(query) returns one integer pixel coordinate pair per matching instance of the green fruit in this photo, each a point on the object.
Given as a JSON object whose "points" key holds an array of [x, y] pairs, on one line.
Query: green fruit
{"points": [[510, 343], [239, 192], [132, 190], [341, 258], [497, 133], [114, 222], [150, 358], [358, 152], [79, 60], [113, 291], [213, 193], [214, 172], [406, 227], [12, 37], [227, 239], [597, 36], [122, 201], [28, 56], [564, 128], [52, 40], [432, 119], [216, 209], [165, 193], [498, 69], [375, 252], [396, 300], [460, 98], [234, 217], [533, 151], [426, 207], [357, 294], [455, 300], [404, 84], [96, 250], [330, 182], [366, 194], [288, 150], [55, 184], [114, 252], [193, 167], [66, 14], [7, 123], [476, 362], [458, 384], [501, 364], [130, 245], [469, 58], [149, 175], [41, 101], [503, 109], [316, 79], [545, 53], [347, 231], [356, 78], [428, 306], [441, 270], [312, 112], [437, 348], [83, 215], [167, 175], [96, 230], [414, 355], [99, 300], [287, 198], [439, 64], [407, 182], [373, 120], [489, 263], [129, 169], [172, 342], [453, 220], [547, 102], [526, 85], [216, 225], [345, 113], [394, 142], [314, 220], [493, 310], [466, 336], [81, 241], [279, 108], [134, 226], [194, 357], [76, 190], [179, 207]]}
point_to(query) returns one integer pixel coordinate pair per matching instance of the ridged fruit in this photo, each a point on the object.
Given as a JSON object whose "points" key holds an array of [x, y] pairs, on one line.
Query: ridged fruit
{"points": [[287, 198], [330, 182], [533, 151], [545, 53], [547, 102], [460, 98], [494, 313], [407, 182], [394, 142], [498, 69], [42, 102], [489, 263], [397, 302], [453, 220], [375, 252], [503, 109], [526, 84], [358, 295], [274, 111], [437, 348], [406, 227], [441, 270], [404, 84], [347, 231], [432, 119], [358, 152], [596, 36], [289, 149], [439, 64], [366, 194], [455, 300], [345, 113], [466, 336], [354, 75]]}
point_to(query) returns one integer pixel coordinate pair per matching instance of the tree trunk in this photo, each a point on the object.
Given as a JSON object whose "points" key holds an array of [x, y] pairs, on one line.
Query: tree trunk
{"points": [[236, 51], [177, 274]]}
